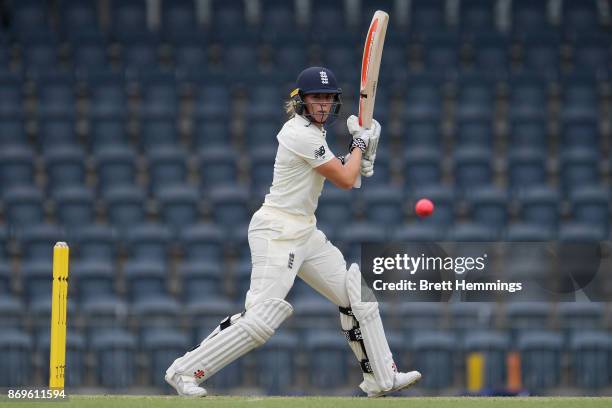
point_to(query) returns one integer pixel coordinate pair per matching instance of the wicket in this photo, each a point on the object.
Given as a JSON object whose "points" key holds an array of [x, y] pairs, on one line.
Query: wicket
{"points": [[57, 359]]}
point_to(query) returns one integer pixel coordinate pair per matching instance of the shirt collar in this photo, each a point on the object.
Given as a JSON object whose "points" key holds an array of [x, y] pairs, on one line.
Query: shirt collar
{"points": [[302, 121]]}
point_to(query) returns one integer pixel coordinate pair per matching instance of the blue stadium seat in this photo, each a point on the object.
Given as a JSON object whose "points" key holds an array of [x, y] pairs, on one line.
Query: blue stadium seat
{"points": [[163, 347], [470, 317], [96, 242], [291, 57], [492, 54], [327, 364], [441, 53], [190, 52], [16, 167], [218, 166], [581, 316], [579, 17], [475, 98], [228, 14], [115, 167], [39, 52], [527, 232], [472, 167], [160, 96], [89, 50], [328, 14], [541, 53], [384, 205], [240, 55], [524, 317], [582, 133], [443, 197], [125, 206], [529, 16], [580, 99], [333, 207], [200, 279], [37, 241], [12, 129], [148, 242], [159, 131], [474, 132], [540, 360], [212, 102], [154, 313], [422, 133], [427, 16], [494, 346], [128, 16], [103, 314], [77, 16], [36, 280], [179, 206], [264, 103], [358, 233], [145, 279], [423, 98], [311, 309], [591, 353], [477, 15], [208, 133], [5, 279], [12, 311], [23, 206], [28, 14], [11, 97], [179, 16], [74, 372], [107, 132], [579, 167], [488, 206], [433, 358], [202, 242], [422, 167], [263, 133], [417, 232], [591, 53], [529, 133], [472, 232], [16, 367], [74, 206], [206, 313], [590, 205], [107, 95], [276, 363], [93, 280], [115, 355], [419, 317], [526, 168], [230, 205], [528, 98], [262, 167], [540, 206], [55, 94], [55, 131], [65, 167], [167, 167]]}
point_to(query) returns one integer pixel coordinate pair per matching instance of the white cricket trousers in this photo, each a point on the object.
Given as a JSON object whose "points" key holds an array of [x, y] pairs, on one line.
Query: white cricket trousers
{"points": [[285, 245]]}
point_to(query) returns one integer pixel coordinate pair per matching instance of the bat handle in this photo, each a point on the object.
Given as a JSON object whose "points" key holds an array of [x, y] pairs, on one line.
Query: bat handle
{"points": [[357, 182]]}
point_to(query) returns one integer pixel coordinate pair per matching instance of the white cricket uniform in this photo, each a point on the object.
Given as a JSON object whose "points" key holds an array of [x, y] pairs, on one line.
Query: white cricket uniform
{"points": [[283, 235]]}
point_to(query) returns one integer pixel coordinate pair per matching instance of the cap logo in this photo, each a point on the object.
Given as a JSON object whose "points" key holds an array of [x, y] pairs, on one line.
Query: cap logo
{"points": [[324, 79]]}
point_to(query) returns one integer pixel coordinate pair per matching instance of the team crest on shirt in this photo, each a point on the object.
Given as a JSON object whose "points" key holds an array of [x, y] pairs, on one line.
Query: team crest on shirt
{"points": [[320, 152]]}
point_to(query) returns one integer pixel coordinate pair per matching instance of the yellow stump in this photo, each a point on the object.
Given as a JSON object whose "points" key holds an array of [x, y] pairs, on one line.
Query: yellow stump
{"points": [[475, 372], [57, 359]]}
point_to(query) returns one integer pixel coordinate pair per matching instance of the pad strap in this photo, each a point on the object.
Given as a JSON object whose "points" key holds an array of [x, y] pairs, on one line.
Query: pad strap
{"points": [[355, 335]]}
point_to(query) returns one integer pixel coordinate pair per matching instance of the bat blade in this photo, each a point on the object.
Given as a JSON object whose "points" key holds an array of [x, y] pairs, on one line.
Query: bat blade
{"points": [[370, 66]]}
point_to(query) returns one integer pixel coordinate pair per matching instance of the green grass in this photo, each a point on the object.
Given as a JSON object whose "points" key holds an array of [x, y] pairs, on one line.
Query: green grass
{"points": [[115, 401]]}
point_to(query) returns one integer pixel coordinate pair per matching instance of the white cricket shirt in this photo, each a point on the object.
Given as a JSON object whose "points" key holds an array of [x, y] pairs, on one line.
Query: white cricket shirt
{"points": [[296, 186]]}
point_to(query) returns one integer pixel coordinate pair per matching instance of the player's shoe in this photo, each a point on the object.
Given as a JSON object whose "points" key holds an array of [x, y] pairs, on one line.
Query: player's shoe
{"points": [[401, 381], [184, 385]]}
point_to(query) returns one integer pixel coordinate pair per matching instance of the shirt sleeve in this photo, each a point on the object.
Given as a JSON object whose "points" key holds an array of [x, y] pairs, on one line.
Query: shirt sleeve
{"points": [[314, 150]]}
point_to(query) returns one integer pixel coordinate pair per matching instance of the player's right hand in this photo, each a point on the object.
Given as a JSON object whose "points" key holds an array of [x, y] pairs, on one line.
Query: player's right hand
{"points": [[352, 123]]}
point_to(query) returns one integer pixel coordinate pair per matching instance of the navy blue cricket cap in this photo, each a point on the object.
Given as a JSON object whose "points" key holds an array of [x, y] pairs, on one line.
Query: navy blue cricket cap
{"points": [[317, 80]]}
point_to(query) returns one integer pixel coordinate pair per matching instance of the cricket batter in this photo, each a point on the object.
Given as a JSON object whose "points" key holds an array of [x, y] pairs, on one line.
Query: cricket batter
{"points": [[285, 242]]}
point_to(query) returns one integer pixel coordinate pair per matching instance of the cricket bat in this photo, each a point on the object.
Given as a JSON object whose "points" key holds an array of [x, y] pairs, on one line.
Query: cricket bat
{"points": [[370, 65]]}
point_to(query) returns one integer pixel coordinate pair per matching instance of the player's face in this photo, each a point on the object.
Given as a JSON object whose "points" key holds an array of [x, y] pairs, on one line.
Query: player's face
{"points": [[319, 105]]}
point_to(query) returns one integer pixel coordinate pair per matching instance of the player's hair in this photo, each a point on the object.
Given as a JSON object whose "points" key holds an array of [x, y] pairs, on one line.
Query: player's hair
{"points": [[289, 108]]}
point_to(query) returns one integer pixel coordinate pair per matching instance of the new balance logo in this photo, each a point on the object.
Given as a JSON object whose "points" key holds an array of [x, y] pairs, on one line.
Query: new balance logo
{"points": [[290, 261], [324, 79], [320, 152]]}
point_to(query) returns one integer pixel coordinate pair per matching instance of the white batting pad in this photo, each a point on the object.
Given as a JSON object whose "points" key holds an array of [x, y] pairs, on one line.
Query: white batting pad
{"points": [[227, 343], [370, 324]]}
